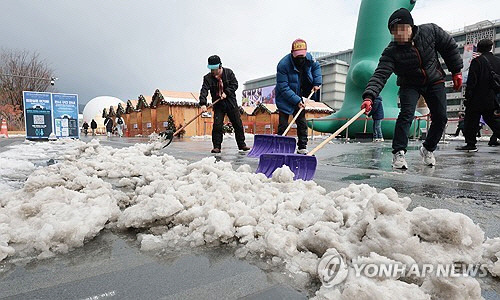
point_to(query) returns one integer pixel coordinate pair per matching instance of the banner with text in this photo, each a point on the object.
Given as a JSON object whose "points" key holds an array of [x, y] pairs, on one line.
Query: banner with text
{"points": [[37, 114]]}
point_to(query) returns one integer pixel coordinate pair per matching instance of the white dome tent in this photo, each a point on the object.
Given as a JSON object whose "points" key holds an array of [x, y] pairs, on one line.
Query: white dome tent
{"points": [[93, 109]]}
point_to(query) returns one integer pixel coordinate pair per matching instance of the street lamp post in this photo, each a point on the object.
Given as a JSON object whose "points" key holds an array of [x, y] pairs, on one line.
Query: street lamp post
{"points": [[51, 79]]}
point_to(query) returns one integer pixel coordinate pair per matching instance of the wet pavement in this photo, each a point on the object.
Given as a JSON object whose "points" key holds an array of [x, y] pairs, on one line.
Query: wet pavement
{"points": [[112, 266]]}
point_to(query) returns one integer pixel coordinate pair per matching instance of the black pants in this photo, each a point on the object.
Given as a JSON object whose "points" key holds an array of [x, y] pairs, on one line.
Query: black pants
{"points": [[493, 138], [435, 97], [235, 118], [472, 118], [301, 127]]}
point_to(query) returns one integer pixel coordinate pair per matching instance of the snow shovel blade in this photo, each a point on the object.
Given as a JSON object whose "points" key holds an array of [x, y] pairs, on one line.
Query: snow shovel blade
{"points": [[303, 166], [269, 162], [267, 143], [168, 135]]}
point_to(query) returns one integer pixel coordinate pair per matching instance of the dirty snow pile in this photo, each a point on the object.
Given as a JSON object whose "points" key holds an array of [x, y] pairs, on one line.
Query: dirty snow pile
{"points": [[287, 223]]}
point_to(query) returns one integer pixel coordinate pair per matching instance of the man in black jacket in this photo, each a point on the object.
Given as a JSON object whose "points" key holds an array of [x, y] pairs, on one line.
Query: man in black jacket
{"points": [[222, 84], [480, 98], [412, 56], [85, 127], [93, 126]]}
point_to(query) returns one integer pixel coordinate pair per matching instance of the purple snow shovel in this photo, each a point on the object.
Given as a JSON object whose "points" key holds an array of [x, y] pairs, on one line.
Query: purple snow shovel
{"points": [[303, 166], [271, 143]]}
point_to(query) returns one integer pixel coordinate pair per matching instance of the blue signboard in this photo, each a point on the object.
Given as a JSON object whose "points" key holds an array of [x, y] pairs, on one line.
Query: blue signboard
{"points": [[65, 115], [37, 114]]}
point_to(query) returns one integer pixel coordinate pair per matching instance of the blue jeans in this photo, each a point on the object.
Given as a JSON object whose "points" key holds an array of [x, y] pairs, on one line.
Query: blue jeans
{"points": [[377, 129], [435, 97]]}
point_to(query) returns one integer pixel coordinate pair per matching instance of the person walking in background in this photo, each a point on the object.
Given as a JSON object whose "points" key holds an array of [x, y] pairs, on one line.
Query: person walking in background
{"points": [[493, 141], [480, 128], [412, 56], [460, 125], [481, 96], [377, 114], [298, 74], [222, 84], [93, 126], [108, 123], [119, 125], [85, 127]]}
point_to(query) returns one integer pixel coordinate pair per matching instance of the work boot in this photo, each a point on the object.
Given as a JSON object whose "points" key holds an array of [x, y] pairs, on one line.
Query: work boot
{"points": [[467, 148], [244, 148], [427, 156], [399, 161], [215, 150], [493, 143]]}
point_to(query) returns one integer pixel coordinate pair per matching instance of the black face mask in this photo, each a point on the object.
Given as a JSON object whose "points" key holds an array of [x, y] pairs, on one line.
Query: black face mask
{"points": [[299, 62]]}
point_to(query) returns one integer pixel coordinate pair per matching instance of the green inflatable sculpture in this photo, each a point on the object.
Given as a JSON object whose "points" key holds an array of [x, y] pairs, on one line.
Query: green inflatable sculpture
{"points": [[372, 36]]}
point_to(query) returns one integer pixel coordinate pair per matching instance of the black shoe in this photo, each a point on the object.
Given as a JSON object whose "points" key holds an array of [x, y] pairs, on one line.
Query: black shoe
{"points": [[494, 144], [215, 150], [244, 148], [467, 148]]}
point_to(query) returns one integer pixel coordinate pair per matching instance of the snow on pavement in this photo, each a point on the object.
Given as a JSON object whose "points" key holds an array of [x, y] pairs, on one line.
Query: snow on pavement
{"points": [[176, 204]]}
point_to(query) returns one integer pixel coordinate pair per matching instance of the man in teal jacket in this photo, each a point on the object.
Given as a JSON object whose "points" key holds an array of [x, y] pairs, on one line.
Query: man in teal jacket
{"points": [[298, 74]]}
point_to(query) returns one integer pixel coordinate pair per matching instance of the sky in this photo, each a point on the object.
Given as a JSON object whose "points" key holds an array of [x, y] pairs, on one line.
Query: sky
{"points": [[126, 48]]}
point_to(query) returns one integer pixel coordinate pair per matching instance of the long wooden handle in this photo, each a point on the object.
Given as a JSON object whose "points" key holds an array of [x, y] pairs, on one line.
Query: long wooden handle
{"points": [[297, 115], [366, 121], [195, 117], [334, 135]]}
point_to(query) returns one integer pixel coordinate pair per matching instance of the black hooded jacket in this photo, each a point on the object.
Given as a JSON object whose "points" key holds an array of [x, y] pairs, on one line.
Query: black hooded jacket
{"points": [[416, 64], [479, 94], [210, 83]]}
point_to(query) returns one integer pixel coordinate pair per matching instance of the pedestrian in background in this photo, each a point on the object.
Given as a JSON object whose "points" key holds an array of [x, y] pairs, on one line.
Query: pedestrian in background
{"points": [[93, 126], [377, 114], [460, 125], [108, 123], [481, 95], [119, 125], [85, 127], [493, 141]]}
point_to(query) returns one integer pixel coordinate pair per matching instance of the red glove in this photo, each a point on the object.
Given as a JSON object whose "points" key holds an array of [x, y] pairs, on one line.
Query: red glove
{"points": [[457, 81], [367, 105]]}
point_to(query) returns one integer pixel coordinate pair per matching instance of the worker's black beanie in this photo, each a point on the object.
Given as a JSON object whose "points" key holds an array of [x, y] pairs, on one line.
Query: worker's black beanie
{"points": [[400, 16]]}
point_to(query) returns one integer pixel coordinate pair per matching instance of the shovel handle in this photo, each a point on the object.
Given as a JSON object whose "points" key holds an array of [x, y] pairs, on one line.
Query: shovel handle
{"points": [[297, 115], [366, 121], [194, 118], [334, 135]]}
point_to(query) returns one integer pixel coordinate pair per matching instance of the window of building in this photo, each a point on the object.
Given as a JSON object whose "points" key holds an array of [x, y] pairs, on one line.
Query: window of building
{"points": [[454, 102], [459, 38], [497, 44], [498, 29], [448, 78], [449, 90], [461, 49]]}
